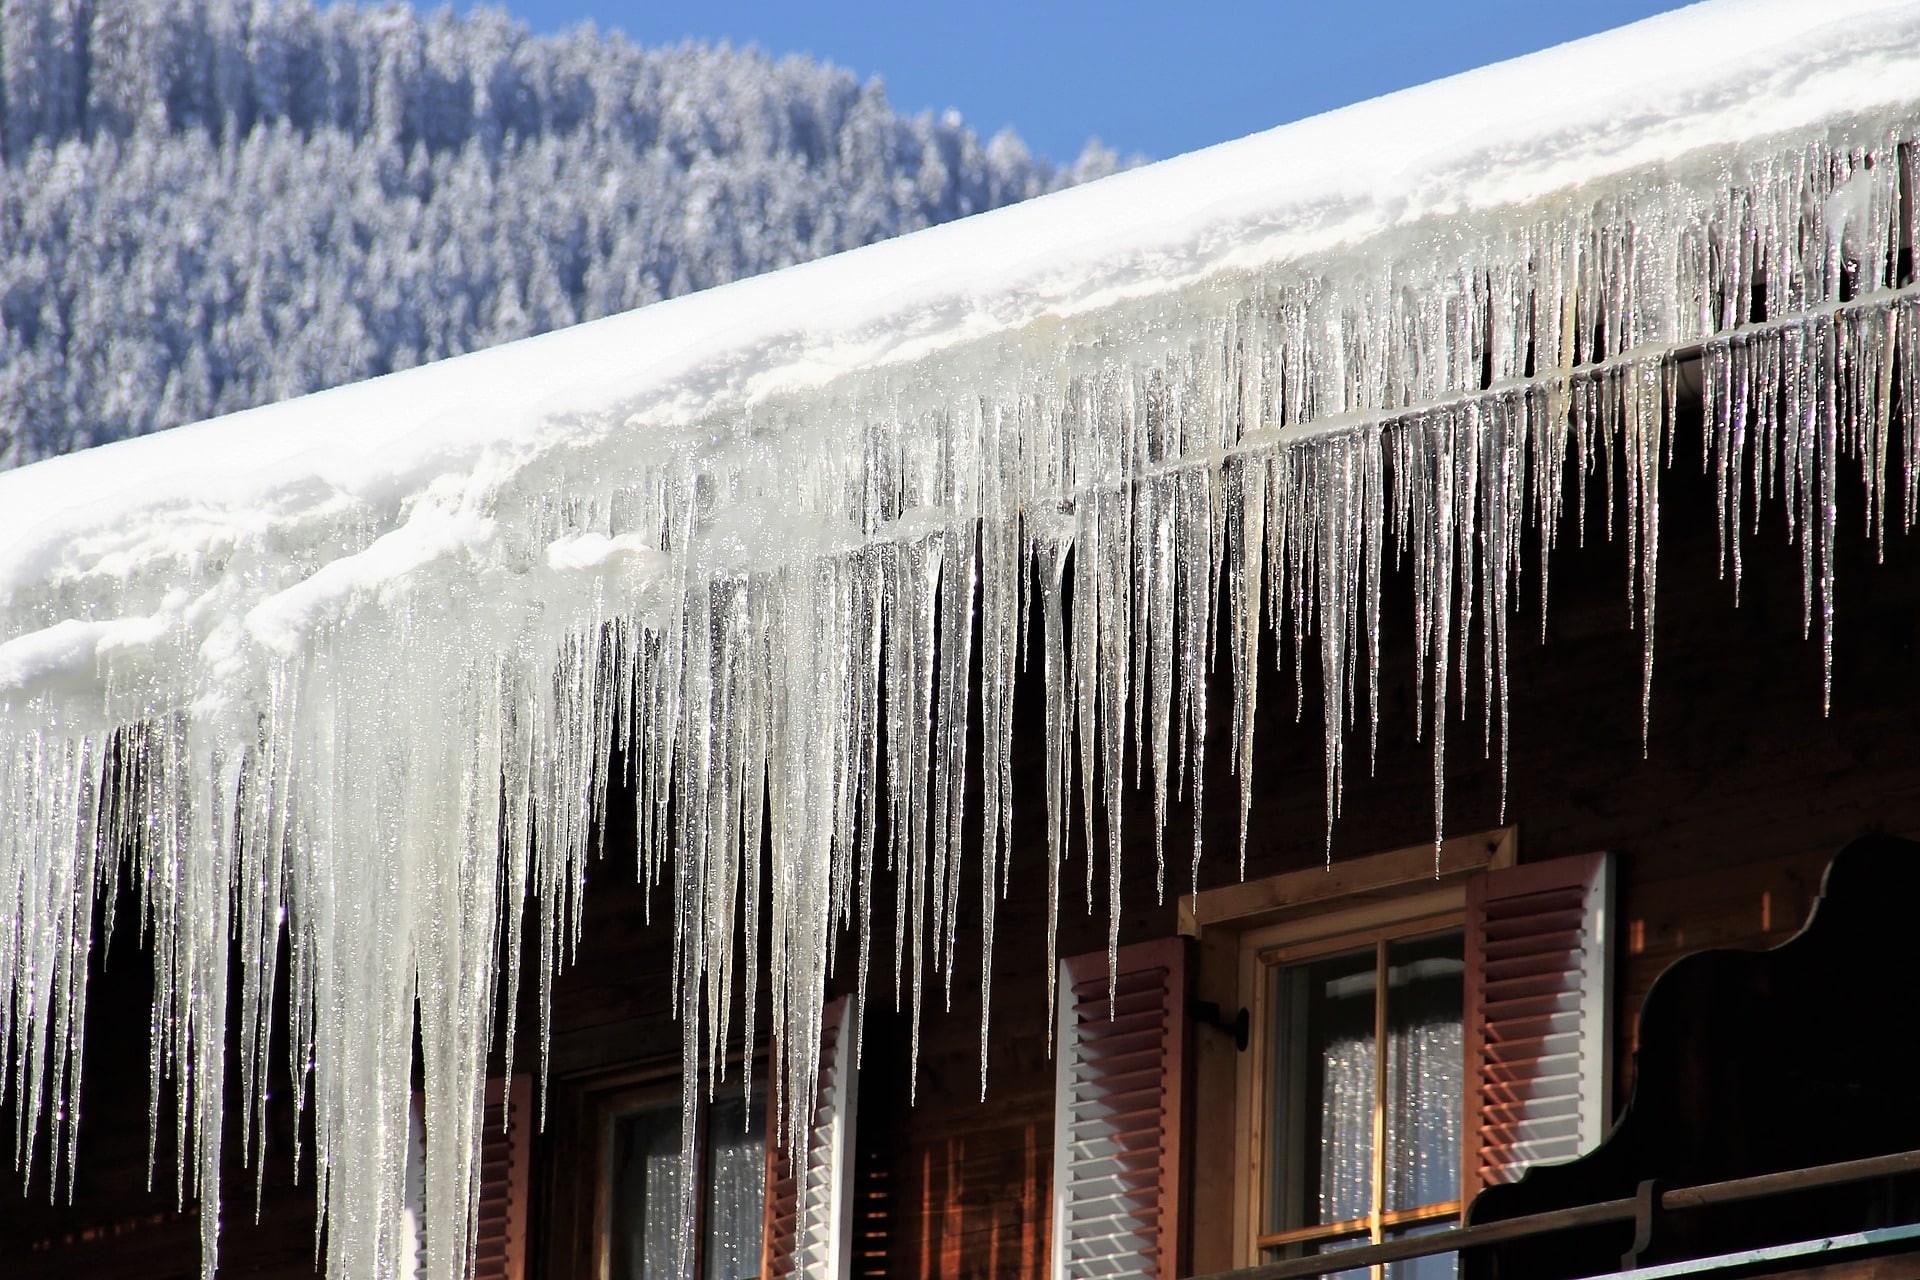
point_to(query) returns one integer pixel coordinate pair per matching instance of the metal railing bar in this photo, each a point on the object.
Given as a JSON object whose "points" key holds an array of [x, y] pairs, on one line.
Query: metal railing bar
{"points": [[1826, 1246], [1598, 1213]]}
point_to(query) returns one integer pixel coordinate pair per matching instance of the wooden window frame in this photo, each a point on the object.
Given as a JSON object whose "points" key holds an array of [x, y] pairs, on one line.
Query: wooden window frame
{"points": [[582, 1163], [1242, 928], [1429, 914]]}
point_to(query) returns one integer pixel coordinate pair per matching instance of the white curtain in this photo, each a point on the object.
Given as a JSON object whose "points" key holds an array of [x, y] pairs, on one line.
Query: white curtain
{"points": [[646, 1194], [647, 1178], [1346, 1133], [1425, 1078], [736, 1189], [1424, 1084]]}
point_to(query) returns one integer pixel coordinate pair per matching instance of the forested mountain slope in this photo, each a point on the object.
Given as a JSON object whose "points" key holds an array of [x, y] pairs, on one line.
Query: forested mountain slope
{"points": [[210, 204]]}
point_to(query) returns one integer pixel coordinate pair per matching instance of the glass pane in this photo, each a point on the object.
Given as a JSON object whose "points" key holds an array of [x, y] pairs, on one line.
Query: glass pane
{"points": [[1425, 1065], [645, 1193], [1358, 1273], [1439, 1266], [1321, 1160], [645, 1184], [736, 1185], [1314, 1248]]}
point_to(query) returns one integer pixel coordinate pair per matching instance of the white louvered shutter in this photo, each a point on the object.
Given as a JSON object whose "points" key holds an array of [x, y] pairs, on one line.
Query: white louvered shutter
{"points": [[1117, 1114], [413, 1230], [809, 1214], [1538, 955], [506, 1144]]}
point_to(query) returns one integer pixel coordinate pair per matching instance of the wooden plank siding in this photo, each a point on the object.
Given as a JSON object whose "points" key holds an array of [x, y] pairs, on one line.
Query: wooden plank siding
{"points": [[119, 1226]]}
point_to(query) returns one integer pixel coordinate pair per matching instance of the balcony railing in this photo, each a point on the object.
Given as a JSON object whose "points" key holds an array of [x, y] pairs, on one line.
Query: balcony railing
{"points": [[1641, 1209]]}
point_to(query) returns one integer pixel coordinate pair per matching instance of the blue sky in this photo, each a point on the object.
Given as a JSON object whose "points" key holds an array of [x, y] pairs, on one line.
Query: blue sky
{"points": [[1152, 77]]}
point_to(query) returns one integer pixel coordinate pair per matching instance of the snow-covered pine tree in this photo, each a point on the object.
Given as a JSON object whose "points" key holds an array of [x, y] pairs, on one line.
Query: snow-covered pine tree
{"points": [[211, 204]]}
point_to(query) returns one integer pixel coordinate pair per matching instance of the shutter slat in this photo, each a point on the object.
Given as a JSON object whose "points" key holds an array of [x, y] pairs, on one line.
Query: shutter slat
{"points": [[1500, 1093], [1547, 979], [1543, 962], [1132, 1080], [1536, 1021], [1514, 1106], [1137, 1052], [1118, 1108]]}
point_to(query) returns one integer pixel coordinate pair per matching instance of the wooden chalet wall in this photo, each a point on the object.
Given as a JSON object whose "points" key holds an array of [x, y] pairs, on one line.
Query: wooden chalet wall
{"points": [[116, 1226], [1721, 831]]}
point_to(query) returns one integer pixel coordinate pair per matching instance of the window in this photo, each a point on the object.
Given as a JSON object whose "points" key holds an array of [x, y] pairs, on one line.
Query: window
{"points": [[617, 1179], [1484, 980], [645, 1184], [1363, 1146]]}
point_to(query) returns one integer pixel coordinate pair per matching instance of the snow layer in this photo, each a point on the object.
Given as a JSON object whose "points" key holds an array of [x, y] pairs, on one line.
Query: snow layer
{"points": [[353, 669]]}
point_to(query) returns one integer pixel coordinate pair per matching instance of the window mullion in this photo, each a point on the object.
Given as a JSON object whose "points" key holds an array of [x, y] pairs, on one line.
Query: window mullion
{"points": [[698, 1174], [1377, 1229]]}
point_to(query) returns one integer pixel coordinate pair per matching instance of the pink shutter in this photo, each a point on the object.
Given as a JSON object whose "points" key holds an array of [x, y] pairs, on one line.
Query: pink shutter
{"points": [[808, 1220], [781, 1212], [1118, 1109], [1536, 1015], [506, 1141]]}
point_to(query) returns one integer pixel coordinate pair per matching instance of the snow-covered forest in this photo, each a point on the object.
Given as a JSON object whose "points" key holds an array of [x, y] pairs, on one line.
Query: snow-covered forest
{"points": [[210, 204]]}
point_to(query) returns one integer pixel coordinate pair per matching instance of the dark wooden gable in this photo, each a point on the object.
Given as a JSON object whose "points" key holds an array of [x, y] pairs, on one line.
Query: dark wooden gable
{"points": [[1749, 1063]]}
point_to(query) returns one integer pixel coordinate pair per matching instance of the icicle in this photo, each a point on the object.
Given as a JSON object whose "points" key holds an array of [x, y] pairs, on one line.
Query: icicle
{"points": [[1247, 524], [1002, 644], [1049, 572], [1644, 386], [1200, 554], [958, 585], [1155, 570]]}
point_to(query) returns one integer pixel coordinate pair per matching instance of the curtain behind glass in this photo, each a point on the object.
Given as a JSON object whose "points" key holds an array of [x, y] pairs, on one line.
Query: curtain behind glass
{"points": [[1322, 1157], [645, 1193], [645, 1185], [1435, 1266], [1425, 1070], [1346, 1146], [736, 1188], [1325, 1084]]}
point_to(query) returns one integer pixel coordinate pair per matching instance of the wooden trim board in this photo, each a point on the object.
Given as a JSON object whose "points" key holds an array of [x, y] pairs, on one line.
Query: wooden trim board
{"points": [[1352, 881]]}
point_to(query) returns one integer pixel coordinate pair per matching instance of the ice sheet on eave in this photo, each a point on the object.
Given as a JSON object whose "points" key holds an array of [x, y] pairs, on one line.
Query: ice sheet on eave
{"points": [[354, 666], [1352, 182]]}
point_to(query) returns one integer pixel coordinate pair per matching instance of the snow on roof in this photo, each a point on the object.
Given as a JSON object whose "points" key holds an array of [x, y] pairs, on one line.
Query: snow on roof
{"points": [[313, 652], [1697, 82]]}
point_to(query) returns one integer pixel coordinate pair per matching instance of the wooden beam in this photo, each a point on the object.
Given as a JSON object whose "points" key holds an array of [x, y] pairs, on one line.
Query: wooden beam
{"points": [[1276, 898]]}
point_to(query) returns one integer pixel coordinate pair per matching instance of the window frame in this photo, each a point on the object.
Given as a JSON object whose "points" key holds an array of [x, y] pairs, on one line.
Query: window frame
{"points": [[580, 1195], [612, 1105], [1263, 950], [1317, 909]]}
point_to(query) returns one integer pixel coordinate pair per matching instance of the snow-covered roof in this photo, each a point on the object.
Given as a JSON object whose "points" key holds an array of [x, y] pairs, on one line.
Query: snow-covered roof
{"points": [[311, 647]]}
